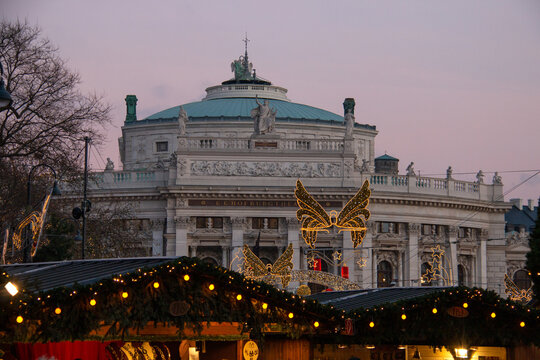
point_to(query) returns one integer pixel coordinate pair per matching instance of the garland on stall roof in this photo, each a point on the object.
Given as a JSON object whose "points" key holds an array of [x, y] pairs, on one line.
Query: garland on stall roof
{"points": [[203, 293], [186, 293], [450, 317]]}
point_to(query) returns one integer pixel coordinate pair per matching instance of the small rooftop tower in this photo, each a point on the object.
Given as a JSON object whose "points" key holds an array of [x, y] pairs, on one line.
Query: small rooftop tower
{"points": [[386, 164]]}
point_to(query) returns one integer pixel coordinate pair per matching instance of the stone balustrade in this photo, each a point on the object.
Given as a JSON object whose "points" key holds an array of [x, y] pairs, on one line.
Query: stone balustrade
{"points": [[226, 143], [127, 179], [436, 186], [379, 183]]}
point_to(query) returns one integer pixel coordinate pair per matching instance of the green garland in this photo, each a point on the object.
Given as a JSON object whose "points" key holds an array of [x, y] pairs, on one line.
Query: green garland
{"points": [[146, 303]]}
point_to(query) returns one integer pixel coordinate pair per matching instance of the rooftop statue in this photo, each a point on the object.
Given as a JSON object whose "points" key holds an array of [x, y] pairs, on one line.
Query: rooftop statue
{"points": [[349, 123], [242, 69], [410, 169], [182, 120], [264, 116], [480, 177]]}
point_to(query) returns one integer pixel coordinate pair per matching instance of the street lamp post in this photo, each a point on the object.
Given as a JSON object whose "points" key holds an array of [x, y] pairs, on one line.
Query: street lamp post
{"points": [[55, 191]]}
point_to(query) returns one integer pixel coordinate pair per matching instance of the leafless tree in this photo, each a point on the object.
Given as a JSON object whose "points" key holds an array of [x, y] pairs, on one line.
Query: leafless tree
{"points": [[114, 232], [53, 114], [48, 119]]}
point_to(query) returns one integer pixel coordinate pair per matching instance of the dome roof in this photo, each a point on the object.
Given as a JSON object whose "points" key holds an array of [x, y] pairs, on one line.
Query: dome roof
{"points": [[241, 107]]}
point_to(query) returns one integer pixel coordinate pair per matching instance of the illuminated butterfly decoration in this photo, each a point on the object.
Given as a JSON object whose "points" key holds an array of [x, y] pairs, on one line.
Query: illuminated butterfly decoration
{"points": [[256, 269], [515, 293], [314, 218]]}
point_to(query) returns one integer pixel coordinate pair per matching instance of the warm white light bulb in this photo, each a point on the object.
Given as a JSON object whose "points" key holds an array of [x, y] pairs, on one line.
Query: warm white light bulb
{"points": [[11, 288]]}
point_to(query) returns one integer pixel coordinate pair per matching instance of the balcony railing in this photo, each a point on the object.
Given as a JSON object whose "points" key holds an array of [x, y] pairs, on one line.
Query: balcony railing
{"points": [[235, 144]]}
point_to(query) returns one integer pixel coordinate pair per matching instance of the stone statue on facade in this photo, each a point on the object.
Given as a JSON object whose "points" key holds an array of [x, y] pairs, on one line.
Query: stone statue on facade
{"points": [[349, 123], [109, 165], [182, 120], [449, 173], [410, 169], [480, 177], [365, 166], [497, 180], [264, 116]]}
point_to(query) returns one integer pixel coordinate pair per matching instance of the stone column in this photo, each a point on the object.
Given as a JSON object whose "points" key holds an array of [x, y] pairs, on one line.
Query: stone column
{"points": [[482, 262], [181, 244], [224, 257], [237, 241], [157, 236], [453, 256], [348, 256], [367, 254], [293, 237], [413, 261]]}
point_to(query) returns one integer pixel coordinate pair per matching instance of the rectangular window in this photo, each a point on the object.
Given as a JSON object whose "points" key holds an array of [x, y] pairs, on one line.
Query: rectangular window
{"points": [[264, 223], [389, 227], [426, 229], [201, 222], [209, 222], [217, 223], [162, 146]]}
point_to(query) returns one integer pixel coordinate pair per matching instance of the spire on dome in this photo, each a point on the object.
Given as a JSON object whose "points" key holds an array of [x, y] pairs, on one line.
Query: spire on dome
{"points": [[243, 69]]}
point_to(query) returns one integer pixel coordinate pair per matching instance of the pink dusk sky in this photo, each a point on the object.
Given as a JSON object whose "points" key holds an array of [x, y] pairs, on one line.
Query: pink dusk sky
{"points": [[445, 82]]}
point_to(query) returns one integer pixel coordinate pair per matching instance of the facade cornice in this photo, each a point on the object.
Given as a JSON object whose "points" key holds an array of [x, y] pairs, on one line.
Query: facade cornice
{"points": [[262, 195]]}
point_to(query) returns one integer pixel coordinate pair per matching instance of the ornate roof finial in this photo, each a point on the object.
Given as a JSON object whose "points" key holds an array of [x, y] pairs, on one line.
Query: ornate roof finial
{"points": [[246, 40], [242, 68]]}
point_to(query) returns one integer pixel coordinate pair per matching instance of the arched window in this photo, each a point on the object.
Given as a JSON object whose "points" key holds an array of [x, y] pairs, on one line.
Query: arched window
{"points": [[522, 279], [384, 274], [461, 275], [426, 269]]}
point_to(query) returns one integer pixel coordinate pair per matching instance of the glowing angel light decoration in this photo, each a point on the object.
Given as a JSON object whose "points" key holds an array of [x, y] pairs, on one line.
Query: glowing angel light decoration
{"points": [[515, 293], [314, 218], [254, 267]]}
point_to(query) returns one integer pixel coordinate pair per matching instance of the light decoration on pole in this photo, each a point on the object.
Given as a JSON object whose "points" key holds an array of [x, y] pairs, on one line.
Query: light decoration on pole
{"points": [[437, 270], [36, 220]]}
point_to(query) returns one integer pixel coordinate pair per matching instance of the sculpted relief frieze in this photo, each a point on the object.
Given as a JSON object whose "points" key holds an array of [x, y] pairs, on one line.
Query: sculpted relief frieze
{"points": [[265, 168]]}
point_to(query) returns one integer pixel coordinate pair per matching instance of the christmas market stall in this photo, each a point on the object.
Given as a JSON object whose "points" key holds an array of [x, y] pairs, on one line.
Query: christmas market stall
{"points": [[151, 309], [163, 308]]}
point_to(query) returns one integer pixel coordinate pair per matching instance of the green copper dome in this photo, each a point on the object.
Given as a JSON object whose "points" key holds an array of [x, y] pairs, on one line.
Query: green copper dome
{"points": [[228, 108]]}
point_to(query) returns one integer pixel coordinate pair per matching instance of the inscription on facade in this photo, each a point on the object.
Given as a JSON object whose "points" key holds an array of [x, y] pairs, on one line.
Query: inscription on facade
{"points": [[266, 144], [257, 203]]}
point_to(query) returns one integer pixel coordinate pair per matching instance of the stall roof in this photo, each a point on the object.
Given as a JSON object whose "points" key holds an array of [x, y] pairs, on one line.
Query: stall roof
{"points": [[51, 275], [367, 298]]}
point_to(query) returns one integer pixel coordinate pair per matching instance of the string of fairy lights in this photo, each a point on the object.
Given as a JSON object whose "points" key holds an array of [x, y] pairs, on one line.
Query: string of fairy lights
{"points": [[57, 314]]}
